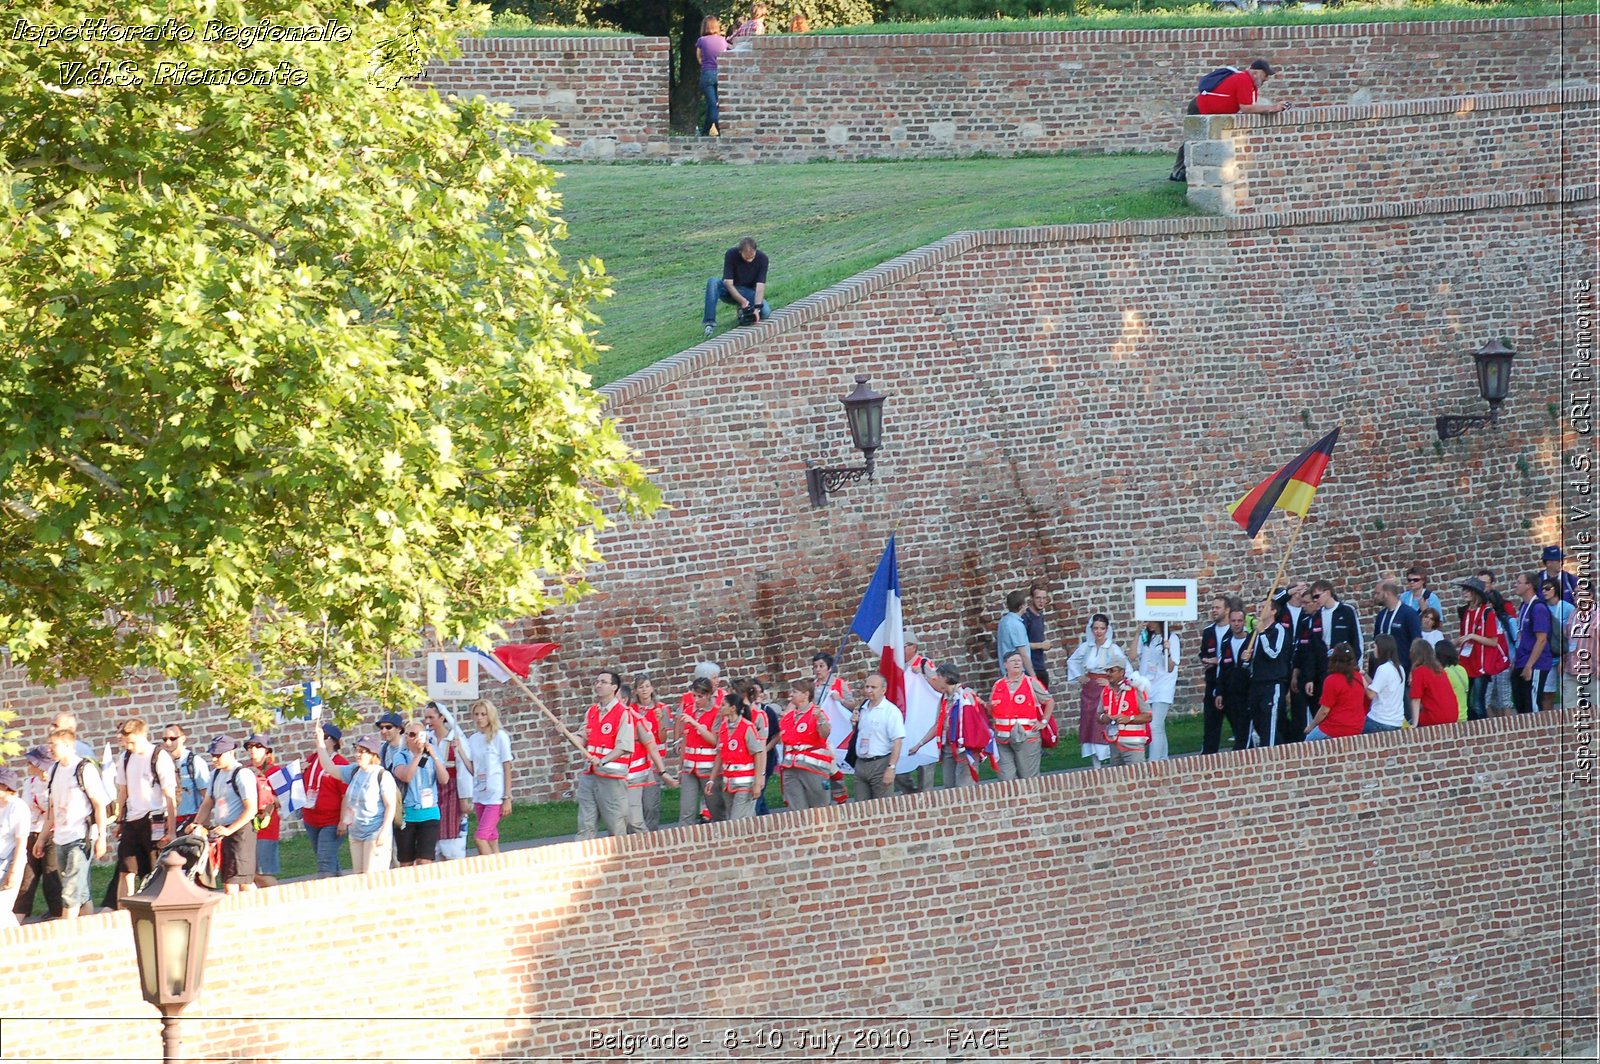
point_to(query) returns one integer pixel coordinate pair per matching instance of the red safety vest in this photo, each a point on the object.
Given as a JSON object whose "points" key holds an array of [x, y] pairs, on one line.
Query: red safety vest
{"points": [[646, 721], [603, 727], [804, 747], [1476, 658], [1012, 707], [738, 761], [1125, 703], [698, 754]]}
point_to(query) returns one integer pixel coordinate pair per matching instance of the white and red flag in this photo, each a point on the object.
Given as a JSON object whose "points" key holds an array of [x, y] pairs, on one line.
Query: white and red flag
{"points": [[878, 623]]}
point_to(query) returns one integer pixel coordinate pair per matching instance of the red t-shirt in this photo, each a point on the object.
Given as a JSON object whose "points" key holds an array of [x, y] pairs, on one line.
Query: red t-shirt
{"points": [[1236, 91], [324, 793], [1346, 703], [1439, 705]]}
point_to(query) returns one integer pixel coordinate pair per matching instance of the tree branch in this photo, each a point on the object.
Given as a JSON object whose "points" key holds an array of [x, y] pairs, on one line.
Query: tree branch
{"points": [[255, 231], [93, 472], [20, 509]]}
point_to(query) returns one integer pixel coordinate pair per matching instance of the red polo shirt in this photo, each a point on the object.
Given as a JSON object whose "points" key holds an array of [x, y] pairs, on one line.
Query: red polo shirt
{"points": [[1236, 91]]}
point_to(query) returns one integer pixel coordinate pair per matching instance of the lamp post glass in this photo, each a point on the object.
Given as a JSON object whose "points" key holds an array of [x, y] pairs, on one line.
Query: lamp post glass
{"points": [[171, 928], [864, 410], [1494, 371]]}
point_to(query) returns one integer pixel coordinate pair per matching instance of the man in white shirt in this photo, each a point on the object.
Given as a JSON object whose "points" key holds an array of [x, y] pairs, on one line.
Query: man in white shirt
{"points": [[147, 794], [880, 732], [13, 841], [74, 822]]}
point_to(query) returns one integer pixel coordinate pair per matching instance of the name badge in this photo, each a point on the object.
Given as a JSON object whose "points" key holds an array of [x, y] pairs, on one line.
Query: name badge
{"points": [[311, 796], [425, 799]]}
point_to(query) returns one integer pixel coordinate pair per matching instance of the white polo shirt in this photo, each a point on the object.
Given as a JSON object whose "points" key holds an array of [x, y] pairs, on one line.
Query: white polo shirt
{"points": [[879, 727]]}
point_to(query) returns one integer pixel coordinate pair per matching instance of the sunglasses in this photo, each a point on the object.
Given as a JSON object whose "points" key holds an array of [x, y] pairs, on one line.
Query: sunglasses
{"points": [[413, 735], [169, 738], [386, 727], [1413, 579]]}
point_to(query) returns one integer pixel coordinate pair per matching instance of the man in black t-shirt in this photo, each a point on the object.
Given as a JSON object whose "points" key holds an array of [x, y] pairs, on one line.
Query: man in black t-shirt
{"points": [[743, 282]]}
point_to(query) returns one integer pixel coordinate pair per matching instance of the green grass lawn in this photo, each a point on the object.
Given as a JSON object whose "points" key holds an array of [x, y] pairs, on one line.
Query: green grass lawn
{"points": [[661, 230], [547, 820]]}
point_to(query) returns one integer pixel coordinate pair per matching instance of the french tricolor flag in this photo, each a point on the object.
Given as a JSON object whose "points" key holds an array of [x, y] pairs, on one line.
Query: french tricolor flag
{"points": [[878, 624]]}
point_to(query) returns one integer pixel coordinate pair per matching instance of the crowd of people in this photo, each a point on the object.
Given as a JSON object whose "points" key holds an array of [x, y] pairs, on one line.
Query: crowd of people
{"points": [[1301, 667]]}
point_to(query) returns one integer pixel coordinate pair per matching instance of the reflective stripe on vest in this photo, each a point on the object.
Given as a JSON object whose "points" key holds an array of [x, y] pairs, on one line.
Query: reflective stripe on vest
{"points": [[1125, 704], [804, 747], [1012, 708], [602, 738], [698, 754], [738, 762], [646, 722]]}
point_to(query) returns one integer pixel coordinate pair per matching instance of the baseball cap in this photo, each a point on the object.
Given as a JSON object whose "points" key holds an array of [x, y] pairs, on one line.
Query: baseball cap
{"points": [[370, 743], [10, 779], [258, 740], [332, 731], [222, 744], [392, 719], [39, 757], [1264, 66], [1553, 554]]}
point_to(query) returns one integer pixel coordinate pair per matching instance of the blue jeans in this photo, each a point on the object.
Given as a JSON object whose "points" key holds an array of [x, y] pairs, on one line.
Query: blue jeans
{"points": [[325, 844], [1372, 727], [1316, 735], [708, 89], [716, 290], [73, 860]]}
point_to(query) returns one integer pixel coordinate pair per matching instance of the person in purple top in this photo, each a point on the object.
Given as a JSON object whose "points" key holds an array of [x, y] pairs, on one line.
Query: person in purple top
{"points": [[1533, 661], [708, 49]]}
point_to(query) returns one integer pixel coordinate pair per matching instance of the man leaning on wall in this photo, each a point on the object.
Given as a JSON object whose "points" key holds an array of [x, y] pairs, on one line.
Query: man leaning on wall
{"points": [[1228, 91]]}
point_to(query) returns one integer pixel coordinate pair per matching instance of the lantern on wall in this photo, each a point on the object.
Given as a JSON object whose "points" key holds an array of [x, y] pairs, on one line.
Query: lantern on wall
{"points": [[171, 930]]}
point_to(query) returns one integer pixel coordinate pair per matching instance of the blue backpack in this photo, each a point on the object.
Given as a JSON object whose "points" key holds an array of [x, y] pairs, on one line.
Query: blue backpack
{"points": [[1210, 82]]}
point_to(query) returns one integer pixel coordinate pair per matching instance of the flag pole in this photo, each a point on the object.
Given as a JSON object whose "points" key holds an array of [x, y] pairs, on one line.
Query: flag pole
{"points": [[539, 704], [1272, 588]]}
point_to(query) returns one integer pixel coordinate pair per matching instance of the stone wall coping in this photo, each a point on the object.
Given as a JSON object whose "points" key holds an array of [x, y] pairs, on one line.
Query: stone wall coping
{"points": [[1014, 38], [802, 312], [1260, 764], [1438, 105]]}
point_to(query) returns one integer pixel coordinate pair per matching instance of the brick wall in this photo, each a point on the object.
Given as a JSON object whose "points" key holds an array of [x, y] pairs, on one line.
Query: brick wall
{"points": [[1077, 403], [795, 98], [607, 95], [1413, 149], [1406, 895]]}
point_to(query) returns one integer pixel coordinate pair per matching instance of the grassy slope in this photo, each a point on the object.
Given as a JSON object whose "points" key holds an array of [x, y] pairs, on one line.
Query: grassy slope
{"points": [[662, 230]]}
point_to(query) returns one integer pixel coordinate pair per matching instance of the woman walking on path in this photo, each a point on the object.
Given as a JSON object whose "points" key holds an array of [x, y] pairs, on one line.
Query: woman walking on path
{"points": [[708, 49], [489, 752]]}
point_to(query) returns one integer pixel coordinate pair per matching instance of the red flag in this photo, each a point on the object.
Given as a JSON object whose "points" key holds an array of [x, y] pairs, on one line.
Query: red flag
{"points": [[519, 656]]}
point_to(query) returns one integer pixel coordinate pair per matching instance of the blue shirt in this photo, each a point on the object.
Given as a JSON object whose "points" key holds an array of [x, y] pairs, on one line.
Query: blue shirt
{"points": [[1533, 617], [1410, 599], [194, 776], [365, 795], [422, 791], [228, 788], [1012, 634]]}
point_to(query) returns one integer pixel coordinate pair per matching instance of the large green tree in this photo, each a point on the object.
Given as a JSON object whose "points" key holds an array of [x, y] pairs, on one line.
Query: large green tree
{"points": [[291, 374]]}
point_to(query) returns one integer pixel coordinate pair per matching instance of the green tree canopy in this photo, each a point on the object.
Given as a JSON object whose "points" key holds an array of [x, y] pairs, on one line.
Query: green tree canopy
{"points": [[290, 371]]}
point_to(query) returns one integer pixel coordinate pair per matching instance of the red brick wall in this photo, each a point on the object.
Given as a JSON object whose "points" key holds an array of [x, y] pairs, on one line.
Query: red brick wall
{"points": [[1412, 149], [1078, 403], [1407, 895], [794, 98], [607, 95]]}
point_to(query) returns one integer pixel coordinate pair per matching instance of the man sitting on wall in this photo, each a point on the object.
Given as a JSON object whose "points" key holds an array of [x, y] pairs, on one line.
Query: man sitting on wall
{"points": [[1229, 91], [743, 283]]}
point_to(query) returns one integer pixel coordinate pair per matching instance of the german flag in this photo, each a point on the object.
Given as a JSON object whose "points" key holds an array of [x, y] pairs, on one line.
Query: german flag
{"points": [[1166, 595], [1290, 488]]}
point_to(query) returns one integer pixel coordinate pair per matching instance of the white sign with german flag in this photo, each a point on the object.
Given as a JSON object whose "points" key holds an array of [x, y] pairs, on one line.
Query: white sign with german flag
{"points": [[1165, 600]]}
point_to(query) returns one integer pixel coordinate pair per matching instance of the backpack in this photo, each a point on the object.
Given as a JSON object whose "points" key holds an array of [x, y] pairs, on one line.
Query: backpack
{"points": [[1558, 634], [266, 797], [155, 776], [1210, 82]]}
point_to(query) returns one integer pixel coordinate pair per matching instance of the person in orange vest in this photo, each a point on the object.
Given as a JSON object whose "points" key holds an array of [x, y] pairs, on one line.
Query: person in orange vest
{"points": [[1125, 715], [957, 704], [1018, 708], [697, 716], [741, 758], [648, 769], [807, 756], [608, 740]]}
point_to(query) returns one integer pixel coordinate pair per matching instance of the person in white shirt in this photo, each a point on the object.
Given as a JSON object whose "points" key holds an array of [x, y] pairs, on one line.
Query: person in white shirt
{"points": [[1158, 663], [489, 750], [75, 821], [147, 794], [1387, 688], [13, 841], [880, 732], [1090, 663]]}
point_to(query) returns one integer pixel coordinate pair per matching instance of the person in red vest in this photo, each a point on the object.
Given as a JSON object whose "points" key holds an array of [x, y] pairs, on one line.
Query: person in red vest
{"points": [[608, 743], [648, 768], [807, 756], [960, 728], [657, 717], [1125, 716], [1018, 707], [741, 757], [697, 717]]}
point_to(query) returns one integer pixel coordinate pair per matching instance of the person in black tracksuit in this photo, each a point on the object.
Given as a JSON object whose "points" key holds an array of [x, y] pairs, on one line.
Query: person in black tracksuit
{"points": [[1233, 679], [1210, 640], [1307, 668], [1269, 660]]}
